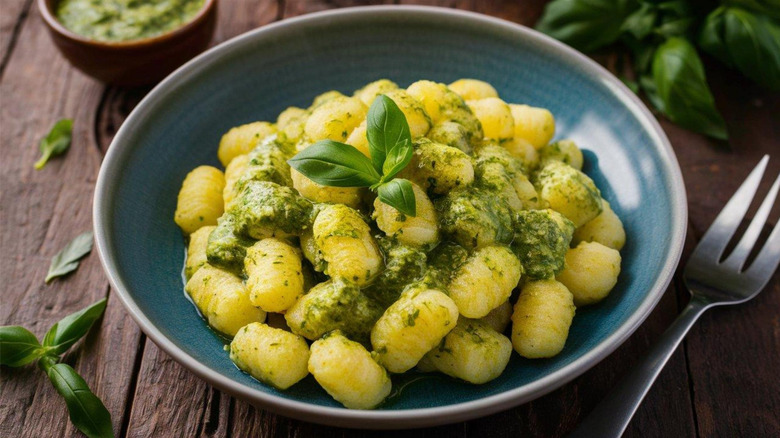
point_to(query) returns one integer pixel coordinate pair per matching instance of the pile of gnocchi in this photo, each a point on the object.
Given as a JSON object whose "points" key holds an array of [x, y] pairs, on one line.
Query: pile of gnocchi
{"points": [[331, 281]]}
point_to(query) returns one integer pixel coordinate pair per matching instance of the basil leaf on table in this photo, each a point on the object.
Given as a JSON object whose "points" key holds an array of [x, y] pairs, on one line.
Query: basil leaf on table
{"points": [[586, 24], [18, 346], [399, 194], [67, 260], [86, 410], [73, 327], [746, 41], [56, 142], [682, 91], [335, 164], [389, 138]]}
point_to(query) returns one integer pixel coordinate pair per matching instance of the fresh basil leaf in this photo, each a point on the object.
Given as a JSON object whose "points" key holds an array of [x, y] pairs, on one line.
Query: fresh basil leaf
{"points": [[746, 41], [640, 23], [683, 94], [67, 260], [399, 194], [711, 37], [335, 164], [389, 138], [586, 24], [73, 327], [647, 84], [86, 410], [18, 346], [56, 142], [770, 8]]}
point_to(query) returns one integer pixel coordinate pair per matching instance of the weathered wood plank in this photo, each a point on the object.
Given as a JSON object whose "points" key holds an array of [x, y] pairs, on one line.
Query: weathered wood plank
{"points": [[43, 210], [13, 14], [171, 400], [294, 8], [733, 353]]}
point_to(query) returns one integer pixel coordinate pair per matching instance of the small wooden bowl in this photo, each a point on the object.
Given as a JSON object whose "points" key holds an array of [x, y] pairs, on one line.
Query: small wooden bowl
{"points": [[136, 62]]}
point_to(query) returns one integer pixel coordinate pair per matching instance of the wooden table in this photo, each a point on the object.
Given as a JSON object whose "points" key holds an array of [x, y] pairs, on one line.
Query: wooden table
{"points": [[722, 381]]}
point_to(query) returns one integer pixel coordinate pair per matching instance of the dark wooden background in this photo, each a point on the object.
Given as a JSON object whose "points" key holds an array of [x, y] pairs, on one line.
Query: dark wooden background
{"points": [[723, 381]]}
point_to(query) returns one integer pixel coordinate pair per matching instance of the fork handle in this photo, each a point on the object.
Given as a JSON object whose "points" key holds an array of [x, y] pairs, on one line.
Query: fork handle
{"points": [[611, 416]]}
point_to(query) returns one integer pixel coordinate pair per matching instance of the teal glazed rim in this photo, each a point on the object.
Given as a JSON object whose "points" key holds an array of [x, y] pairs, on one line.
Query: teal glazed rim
{"points": [[115, 168]]}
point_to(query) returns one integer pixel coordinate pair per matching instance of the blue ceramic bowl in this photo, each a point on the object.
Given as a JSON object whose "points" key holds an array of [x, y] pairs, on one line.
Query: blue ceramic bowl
{"points": [[257, 75]]}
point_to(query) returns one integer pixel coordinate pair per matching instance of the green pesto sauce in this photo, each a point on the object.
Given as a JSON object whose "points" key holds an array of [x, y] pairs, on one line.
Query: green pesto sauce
{"points": [[125, 20]]}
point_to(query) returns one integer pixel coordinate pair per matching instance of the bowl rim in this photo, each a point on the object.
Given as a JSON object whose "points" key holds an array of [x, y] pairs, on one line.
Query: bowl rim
{"points": [[50, 18], [405, 418]]}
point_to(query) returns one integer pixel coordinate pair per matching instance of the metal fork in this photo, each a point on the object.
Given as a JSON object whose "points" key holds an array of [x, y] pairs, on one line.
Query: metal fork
{"points": [[711, 283]]}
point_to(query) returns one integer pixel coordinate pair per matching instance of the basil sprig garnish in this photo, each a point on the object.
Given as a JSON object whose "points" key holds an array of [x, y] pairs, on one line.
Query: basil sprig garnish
{"points": [[335, 164], [19, 347]]}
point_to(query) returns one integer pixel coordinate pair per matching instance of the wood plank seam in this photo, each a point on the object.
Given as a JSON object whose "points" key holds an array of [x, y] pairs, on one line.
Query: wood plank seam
{"points": [[141, 347], [15, 36]]}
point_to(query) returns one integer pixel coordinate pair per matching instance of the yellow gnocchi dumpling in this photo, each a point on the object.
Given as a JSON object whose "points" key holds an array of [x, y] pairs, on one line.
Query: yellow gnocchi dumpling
{"points": [[471, 89], [233, 173], [346, 370], [606, 229], [419, 231], [270, 355], [590, 272], [439, 168], [274, 274], [346, 244], [196, 250], [335, 119], [419, 121], [542, 316], [242, 139], [411, 327], [535, 125], [472, 351], [290, 124], [499, 318], [351, 196], [200, 199], [524, 151], [495, 117], [432, 96], [359, 140], [565, 151], [569, 192], [485, 281], [370, 92], [223, 299]]}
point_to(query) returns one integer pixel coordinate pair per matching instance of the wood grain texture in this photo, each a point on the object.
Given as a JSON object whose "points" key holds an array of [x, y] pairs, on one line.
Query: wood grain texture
{"points": [[719, 383]]}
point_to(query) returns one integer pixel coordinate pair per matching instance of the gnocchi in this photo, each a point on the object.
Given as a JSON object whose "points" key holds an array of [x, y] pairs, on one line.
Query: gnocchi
{"points": [[508, 237]]}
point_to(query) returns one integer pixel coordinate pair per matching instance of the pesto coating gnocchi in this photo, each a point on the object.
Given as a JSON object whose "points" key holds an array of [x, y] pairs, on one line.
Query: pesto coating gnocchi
{"points": [[472, 351], [485, 281], [507, 235], [411, 327], [346, 244]]}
